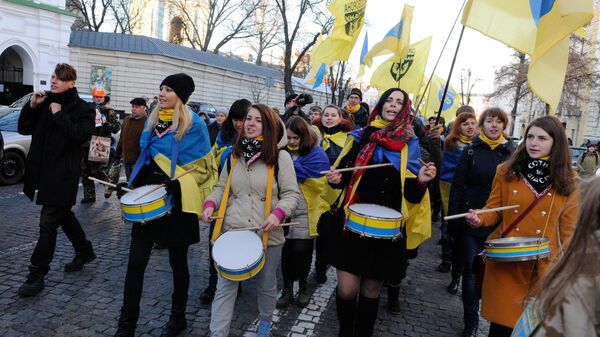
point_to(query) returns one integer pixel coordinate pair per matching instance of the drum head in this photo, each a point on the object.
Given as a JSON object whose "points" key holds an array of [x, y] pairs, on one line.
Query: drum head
{"points": [[237, 250], [375, 211], [130, 197]]}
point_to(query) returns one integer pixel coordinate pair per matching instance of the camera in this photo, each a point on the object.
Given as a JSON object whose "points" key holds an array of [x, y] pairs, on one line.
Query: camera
{"points": [[304, 99]]}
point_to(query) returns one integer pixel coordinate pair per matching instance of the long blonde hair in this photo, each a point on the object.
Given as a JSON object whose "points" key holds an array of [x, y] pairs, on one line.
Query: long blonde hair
{"points": [[182, 119]]}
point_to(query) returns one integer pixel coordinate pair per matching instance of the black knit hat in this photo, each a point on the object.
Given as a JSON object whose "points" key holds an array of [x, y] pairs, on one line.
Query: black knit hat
{"points": [[138, 101], [357, 92], [181, 83]]}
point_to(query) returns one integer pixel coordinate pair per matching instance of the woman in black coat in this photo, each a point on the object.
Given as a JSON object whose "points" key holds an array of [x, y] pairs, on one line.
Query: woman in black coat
{"points": [[471, 187]]}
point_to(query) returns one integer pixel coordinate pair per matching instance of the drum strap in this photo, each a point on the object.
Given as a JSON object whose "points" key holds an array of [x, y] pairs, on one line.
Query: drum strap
{"points": [[223, 206], [524, 214]]}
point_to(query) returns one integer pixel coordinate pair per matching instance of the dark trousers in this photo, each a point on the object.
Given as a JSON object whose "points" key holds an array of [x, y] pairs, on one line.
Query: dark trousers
{"points": [[90, 169], [471, 246], [450, 248], [296, 259], [50, 219], [212, 271], [320, 258], [497, 330], [139, 253]]}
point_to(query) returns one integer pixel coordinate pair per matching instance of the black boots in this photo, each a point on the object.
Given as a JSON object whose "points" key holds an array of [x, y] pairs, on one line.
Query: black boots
{"points": [[34, 283], [453, 286], [177, 322], [127, 322], [469, 332], [83, 255], [303, 294], [287, 296], [321, 274], [346, 312], [366, 314], [393, 302]]}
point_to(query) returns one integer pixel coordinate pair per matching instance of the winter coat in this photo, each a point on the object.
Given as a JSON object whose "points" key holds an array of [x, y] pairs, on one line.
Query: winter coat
{"points": [[53, 163], [588, 164], [506, 284], [246, 203], [579, 313], [213, 131], [129, 139], [472, 181]]}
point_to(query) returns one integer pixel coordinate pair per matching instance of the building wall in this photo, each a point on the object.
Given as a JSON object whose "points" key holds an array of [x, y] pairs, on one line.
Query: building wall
{"points": [[135, 75], [40, 38]]}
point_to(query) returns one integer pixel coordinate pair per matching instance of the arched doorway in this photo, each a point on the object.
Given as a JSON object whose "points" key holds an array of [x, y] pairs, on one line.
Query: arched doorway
{"points": [[16, 74]]}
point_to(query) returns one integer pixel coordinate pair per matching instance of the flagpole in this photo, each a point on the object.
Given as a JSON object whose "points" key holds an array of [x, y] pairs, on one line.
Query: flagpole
{"points": [[439, 57], [437, 120]]}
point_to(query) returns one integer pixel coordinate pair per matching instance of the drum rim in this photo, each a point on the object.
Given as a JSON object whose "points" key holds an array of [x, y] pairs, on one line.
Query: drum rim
{"points": [[168, 204], [145, 203], [510, 242], [373, 236], [374, 217], [519, 258]]}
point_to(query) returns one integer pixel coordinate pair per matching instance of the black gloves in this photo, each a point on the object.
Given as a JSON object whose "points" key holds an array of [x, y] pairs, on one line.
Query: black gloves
{"points": [[120, 190], [172, 186]]}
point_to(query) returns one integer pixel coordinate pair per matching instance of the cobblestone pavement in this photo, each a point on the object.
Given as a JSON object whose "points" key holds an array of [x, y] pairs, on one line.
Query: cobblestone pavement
{"points": [[87, 303]]}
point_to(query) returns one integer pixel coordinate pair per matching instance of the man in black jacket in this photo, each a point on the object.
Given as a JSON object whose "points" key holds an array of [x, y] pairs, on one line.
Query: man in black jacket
{"points": [[58, 122]]}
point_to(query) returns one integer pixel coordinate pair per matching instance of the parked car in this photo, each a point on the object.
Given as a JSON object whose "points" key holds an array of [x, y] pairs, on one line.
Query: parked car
{"points": [[576, 153], [207, 108], [16, 146]]}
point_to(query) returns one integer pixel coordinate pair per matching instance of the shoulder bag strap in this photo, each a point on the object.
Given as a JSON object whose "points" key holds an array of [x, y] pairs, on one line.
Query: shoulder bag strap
{"points": [[523, 215]]}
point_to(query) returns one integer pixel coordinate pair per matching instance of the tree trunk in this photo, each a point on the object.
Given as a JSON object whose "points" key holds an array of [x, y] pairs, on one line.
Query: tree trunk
{"points": [[513, 112], [288, 72]]}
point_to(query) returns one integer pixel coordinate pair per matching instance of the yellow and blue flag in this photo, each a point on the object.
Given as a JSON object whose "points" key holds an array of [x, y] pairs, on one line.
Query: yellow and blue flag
{"points": [[395, 40], [539, 28], [405, 72], [363, 52], [318, 69], [349, 18], [434, 97]]}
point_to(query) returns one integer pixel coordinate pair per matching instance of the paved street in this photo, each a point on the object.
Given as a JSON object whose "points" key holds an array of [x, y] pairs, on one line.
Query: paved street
{"points": [[87, 303]]}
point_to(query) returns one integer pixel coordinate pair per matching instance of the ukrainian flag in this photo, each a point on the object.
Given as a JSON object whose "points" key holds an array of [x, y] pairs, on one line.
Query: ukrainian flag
{"points": [[363, 52], [317, 67], [539, 28], [434, 98], [395, 40]]}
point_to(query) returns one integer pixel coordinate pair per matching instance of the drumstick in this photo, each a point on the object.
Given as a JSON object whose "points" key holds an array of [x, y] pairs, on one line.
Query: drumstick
{"points": [[257, 228], [481, 211], [423, 162], [359, 168], [163, 185], [109, 184]]}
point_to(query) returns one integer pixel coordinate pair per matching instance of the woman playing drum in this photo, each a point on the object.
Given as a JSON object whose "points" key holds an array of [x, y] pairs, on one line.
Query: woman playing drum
{"points": [[173, 141], [538, 176], [250, 169], [363, 263], [221, 150], [471, 187], [309, 160], [336, 142]]}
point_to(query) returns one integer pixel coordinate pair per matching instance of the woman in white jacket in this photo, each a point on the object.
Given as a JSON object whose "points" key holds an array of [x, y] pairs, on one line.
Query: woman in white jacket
{"points": [[255, 151]]}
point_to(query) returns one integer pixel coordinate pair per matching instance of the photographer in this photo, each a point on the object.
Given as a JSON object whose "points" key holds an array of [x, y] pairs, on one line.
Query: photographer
{"points": [[294, 104]]}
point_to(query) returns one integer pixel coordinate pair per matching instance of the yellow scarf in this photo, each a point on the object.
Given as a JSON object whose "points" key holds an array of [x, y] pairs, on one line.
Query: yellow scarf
{"points": [[352, 109], [465, 139], [546, 158], [338, 138], [166, 115], [293, 148], [379, 123], [492, 143], [260, 138]]}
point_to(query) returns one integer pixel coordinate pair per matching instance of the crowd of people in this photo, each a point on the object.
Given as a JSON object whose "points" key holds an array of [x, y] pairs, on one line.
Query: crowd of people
{"points": [[357, 187]]}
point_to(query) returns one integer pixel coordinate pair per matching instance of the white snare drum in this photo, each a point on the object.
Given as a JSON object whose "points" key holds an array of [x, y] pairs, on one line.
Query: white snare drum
{"points": [[374, 221], [238, 255], [518, 248], [149, 207]]}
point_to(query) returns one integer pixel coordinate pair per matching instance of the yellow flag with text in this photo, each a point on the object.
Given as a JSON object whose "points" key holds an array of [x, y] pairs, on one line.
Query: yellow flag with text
{"points": [[539, 28], [434, 98], [349, 18], [395, 40], [405, 72]]}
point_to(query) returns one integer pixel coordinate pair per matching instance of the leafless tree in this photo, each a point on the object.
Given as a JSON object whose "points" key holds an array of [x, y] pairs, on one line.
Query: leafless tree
{"points": [[337, 82], [293, 28], [265, 28], [258, 91], [93, 13], [125, 16], [202, 19]]}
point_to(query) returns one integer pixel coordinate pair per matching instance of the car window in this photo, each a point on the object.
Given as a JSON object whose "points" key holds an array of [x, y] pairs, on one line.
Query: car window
{"points": [[21, 101], [9, 121]]}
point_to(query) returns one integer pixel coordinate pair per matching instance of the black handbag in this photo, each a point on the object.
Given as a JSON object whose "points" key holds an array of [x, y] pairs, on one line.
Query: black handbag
{"points": [[331, 222]]}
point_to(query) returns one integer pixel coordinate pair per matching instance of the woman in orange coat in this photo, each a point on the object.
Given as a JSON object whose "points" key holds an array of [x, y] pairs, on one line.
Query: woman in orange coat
{"points": [[539, 168]]}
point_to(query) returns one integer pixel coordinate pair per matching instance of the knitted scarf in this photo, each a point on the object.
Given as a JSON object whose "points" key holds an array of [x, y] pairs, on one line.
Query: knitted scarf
{"points": [[252, 149], [536, 175], [493, 143], [392, 137]]}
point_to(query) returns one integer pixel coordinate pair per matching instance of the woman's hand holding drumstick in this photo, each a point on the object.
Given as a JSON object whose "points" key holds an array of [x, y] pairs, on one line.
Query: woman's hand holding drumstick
{"points": [[427, 172], [473, 218], [270, 223]]}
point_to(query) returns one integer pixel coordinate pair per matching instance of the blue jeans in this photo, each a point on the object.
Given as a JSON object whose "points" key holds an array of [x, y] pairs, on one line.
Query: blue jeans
{"points": [[471, 246]]}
